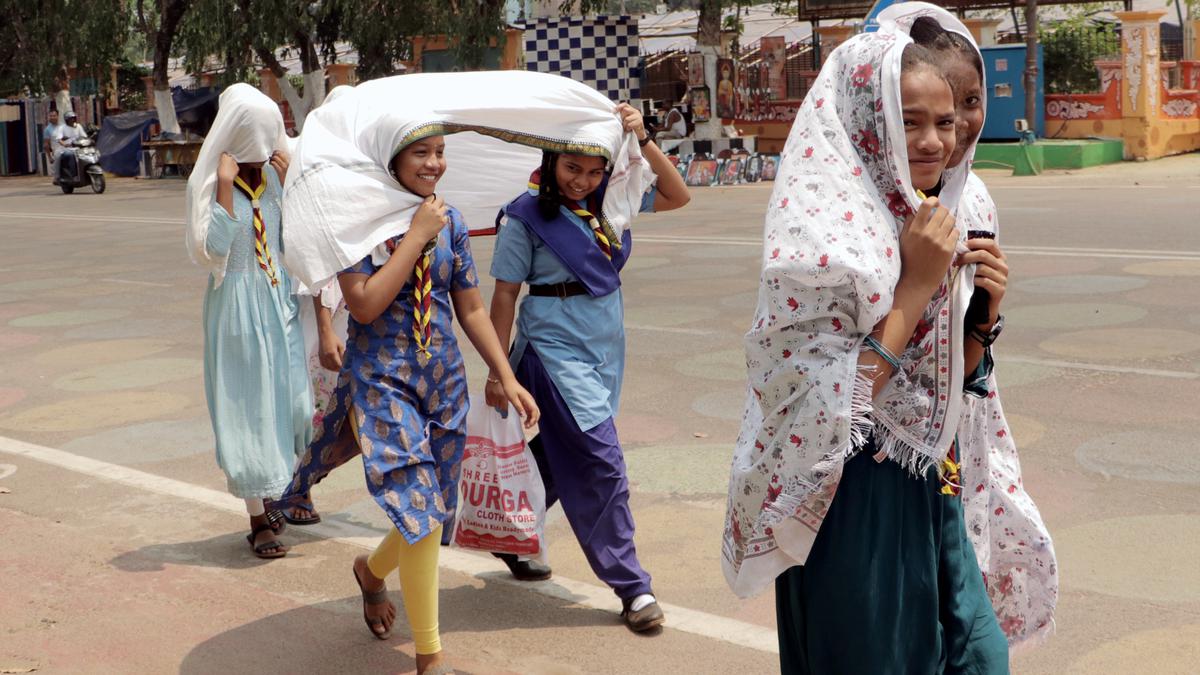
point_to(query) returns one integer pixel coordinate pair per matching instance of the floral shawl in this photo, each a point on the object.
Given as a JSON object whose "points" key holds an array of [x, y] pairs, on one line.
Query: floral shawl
{"points": [[830, 265], [1011, 542]]}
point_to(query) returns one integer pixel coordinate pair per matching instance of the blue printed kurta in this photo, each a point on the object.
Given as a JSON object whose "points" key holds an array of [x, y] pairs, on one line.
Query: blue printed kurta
{"points": [[255, 378], [411, 410]]}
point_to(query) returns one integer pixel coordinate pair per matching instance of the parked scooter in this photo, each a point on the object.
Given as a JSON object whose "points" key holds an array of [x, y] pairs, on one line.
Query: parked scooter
{"points": [[80, 166]]}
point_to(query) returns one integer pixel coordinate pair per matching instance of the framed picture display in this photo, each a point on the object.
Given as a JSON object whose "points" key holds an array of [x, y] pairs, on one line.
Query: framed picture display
{"points": [[695, 70], [701, 104], [731, 171], [701, 172], [770, 166], [774, 55], [752, 171], [726, 89]]}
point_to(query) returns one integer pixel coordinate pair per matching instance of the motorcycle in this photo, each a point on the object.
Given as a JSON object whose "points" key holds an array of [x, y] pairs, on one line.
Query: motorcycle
{"points": [[80, 166]]}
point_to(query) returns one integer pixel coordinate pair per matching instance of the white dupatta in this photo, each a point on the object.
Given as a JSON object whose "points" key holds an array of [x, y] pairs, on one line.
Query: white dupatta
{"points": [[341, 201], [249, 127]]}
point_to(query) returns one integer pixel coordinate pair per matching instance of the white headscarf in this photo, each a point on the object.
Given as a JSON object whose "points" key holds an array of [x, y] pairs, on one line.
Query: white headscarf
{"points": [[341, 200], [249, 127], [830, 265], [1011, 542]]}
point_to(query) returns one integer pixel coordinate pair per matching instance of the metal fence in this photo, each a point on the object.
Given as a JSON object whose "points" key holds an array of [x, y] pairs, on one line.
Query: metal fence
{"points": [[665, 74]]}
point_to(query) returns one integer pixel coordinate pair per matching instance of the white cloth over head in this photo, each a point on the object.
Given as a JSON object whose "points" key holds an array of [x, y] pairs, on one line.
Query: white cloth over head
{"points": [[341, 200], [249, 127], [831, 260], [1012, 544]]}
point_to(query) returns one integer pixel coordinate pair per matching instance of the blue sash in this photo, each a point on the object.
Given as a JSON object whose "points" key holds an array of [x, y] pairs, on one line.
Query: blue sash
{"points": [[575, 248]]}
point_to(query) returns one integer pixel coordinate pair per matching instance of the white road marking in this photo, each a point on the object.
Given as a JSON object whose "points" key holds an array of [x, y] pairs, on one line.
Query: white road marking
{"points": [[1134, 254], [1098, 367], [136, 283], [732, 631], [92, 218], [667, 329]]}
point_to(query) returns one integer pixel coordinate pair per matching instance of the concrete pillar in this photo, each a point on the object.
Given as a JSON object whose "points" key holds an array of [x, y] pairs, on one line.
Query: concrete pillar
{"points": [[831, 37], [984, 30], [148, 81], [340, 73], [1139, 79]]}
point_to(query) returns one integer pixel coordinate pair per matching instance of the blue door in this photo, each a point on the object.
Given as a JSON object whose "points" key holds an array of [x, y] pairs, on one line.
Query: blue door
{"points": [[1005, 69]]}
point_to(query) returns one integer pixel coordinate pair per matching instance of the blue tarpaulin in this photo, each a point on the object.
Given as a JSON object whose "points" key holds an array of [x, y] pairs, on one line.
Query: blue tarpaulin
{"points": [[121, 136]]}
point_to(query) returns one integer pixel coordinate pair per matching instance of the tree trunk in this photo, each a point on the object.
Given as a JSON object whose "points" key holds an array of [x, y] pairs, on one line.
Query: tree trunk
{"points": [[1031, 69], [170, 14], [708, 43]]}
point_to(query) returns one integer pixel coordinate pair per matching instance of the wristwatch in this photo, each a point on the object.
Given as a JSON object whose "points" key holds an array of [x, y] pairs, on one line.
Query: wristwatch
{"points": [[642, 143], [986, 339]]}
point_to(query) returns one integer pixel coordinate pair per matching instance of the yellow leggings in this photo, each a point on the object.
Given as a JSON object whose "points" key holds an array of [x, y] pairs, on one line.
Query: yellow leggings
{"points": [[418, 567]]}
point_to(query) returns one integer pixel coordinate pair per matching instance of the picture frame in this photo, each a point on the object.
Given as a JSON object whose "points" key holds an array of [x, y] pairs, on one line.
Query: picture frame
{"points": [[770, 167], [731, 172], [701, 102], [695, 70], [752, 171], [726, 89], [701, 172]]}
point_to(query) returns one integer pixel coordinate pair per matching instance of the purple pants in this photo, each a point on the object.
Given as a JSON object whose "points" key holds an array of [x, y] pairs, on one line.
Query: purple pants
{"points": [[585, 470]]}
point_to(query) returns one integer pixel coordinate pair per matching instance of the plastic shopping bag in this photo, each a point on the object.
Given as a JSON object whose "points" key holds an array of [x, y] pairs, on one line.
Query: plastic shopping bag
{"points": [[502, 503]]}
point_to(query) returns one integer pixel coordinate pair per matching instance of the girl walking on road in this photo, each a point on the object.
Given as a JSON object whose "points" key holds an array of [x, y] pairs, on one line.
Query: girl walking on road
{"points": [[569, 352], [843, 485], [1010, 539], [401, 398], [255, 379]]}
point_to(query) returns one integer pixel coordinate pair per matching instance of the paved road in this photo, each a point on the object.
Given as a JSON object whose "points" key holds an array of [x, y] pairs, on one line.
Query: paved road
{"points": [[120, 552]]}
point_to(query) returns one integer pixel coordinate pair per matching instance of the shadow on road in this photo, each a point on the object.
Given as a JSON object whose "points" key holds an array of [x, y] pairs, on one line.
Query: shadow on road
{"points": [[331, 637], [228, 550]]}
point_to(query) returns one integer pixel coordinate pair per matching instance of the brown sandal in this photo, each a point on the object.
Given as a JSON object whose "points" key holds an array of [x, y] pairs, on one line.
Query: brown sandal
{"points": [[373, 598], [264, 550]]}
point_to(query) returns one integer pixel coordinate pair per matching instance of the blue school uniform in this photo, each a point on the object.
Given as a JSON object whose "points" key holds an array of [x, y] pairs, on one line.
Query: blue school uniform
{"points": [[569, 352], [255, 377]]}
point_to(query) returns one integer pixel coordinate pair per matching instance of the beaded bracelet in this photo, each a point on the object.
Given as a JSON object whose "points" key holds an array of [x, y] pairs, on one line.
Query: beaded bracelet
{"points": [[884, 353]]}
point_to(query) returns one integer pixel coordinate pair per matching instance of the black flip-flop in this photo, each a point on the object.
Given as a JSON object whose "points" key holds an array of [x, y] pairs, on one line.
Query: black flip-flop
{"points": [[264, 550], [311, 520]]}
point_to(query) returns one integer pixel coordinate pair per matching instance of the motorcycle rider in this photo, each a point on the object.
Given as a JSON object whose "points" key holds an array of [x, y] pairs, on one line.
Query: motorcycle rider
{"points": [[67, 133]]}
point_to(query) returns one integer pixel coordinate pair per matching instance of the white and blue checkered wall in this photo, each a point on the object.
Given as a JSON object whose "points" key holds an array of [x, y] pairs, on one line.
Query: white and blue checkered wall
{"points": [[601, 52]]}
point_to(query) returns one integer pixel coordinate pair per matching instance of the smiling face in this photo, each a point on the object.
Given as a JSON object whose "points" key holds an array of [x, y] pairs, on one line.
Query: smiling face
{"points": [[929, 124], [420, 165], [968, 103], [579, 175]]}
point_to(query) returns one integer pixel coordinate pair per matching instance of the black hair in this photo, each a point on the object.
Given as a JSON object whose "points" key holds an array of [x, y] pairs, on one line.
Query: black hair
{"points": [[549, 196], [917, 57], [928, 33]]}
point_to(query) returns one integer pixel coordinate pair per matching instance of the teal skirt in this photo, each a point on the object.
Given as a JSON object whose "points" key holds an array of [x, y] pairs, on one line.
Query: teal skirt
{"points": [[891, 584]]}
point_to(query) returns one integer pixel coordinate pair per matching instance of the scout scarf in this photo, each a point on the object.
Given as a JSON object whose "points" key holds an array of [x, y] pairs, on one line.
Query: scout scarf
{"points": [[342, 202], [603, 240], [830, 265], [262, 252], [249, 127]]}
